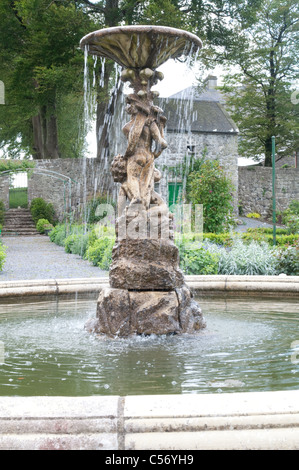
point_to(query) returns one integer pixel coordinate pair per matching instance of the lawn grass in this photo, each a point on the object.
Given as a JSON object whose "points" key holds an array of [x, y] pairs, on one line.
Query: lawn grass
{"points": [[18, 197]]}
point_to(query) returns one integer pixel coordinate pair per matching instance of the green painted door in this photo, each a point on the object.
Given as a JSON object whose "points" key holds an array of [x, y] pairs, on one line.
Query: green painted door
{"points": [[175, 193]]}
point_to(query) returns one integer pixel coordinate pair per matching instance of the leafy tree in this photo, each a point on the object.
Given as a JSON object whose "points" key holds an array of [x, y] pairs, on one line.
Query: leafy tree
{"points": [[259, 92], [209, 19], [208, 185], [41, 67]]}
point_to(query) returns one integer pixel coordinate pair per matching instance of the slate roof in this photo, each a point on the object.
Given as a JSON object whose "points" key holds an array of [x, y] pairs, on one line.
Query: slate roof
{"points": [[198, 110], [199, 116], [194, 93]]}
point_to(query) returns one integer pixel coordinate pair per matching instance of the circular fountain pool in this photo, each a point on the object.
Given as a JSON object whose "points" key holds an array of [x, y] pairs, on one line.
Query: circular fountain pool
{"points": [[248, 345]]}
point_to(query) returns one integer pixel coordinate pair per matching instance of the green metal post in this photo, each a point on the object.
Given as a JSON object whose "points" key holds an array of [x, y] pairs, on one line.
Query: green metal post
{"points": [[273, 191]]}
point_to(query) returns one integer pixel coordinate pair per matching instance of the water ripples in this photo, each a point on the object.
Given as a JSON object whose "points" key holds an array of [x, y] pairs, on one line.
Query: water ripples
{"points": [[48, 352]]}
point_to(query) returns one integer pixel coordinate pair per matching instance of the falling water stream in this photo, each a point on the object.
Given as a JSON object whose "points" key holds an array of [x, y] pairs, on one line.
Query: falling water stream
{"points": [[248, 345]]}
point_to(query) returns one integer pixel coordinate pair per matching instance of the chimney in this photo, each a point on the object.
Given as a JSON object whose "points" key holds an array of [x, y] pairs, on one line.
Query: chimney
{"points": [[211, 82]]}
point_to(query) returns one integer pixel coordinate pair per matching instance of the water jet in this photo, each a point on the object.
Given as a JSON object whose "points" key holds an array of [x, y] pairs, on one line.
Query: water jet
{"points": [[147, 293]]}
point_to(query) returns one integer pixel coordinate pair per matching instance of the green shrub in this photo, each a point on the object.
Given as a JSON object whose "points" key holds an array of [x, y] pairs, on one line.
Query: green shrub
{"points": [[288, 260], [2, 256], [58, 234], [42, 225], [267, 230], [290, 217], [224, 239], [265, 237], [77, 243], [102, 246], [107, 256], [40, 209], [294, 207], [253, 215], [208, 185], [199, 261]]}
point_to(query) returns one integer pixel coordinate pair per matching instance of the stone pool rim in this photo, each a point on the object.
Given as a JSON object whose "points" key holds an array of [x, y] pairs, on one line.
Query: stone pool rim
{"points": [[278, 286], [228, 421]]}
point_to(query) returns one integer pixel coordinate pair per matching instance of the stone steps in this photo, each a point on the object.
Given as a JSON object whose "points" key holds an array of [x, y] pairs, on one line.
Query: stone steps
{"points": [[19, 222]]}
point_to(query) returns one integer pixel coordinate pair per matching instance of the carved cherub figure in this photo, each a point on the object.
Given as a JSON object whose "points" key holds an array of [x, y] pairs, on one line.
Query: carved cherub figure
{"points": [[145, 128], [119, 172]]}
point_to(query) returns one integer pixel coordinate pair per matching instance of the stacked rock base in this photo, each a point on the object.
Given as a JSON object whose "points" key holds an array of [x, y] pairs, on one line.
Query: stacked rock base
{"points": [[121, 312], [147, 293]]}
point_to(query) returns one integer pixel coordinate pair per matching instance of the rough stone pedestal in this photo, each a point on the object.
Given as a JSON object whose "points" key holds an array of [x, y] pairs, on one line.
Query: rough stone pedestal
{"points": [[121, 312], [147, 293]]}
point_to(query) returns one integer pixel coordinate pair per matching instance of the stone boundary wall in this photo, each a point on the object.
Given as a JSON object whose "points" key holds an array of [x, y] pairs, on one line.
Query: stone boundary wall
{"points": [[255, 189], [88, 178], [4, 190]]}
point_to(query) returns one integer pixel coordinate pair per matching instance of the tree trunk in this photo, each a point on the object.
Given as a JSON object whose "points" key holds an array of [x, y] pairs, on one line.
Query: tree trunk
{"points": [[105, 112], [45, 135], [106, 103], [268, 151], [271, 111]]}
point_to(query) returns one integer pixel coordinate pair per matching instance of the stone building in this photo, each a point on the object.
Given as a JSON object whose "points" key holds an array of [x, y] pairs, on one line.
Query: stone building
{"points": [[197, 124]]}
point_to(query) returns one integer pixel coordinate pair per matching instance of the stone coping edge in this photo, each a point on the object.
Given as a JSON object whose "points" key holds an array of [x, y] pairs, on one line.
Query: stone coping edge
{"points": [[227, 421], [242, 285]]}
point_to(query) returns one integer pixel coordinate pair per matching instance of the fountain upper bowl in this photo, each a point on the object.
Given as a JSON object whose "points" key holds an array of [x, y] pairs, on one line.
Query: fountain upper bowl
{"points": [[141, 46]]}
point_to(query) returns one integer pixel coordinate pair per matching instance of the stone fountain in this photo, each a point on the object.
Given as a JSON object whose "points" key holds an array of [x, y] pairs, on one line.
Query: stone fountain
{"points": [[147, 293]]}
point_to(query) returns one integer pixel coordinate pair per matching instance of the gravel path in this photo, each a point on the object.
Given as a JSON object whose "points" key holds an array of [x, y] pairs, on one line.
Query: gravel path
{"points": [[38, 258], [250, 223]]}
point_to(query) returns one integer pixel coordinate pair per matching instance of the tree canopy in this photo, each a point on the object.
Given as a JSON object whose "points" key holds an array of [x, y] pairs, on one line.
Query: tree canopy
{"points": [[41, 64], [265, 57]]}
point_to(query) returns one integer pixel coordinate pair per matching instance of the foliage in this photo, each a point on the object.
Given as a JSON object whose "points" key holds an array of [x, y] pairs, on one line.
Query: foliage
{"points": [[267, 230], [290, 217], [41, 66], [253, 259], [253, 215], [40, 209], [78, 240], [198, 261], [264, 56], [42, 225], [2, 256], [13, 165], [83, 240], [100, 252], [58, 234], [208, 185], [76, 243], [288, 260], [283, 237]]}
